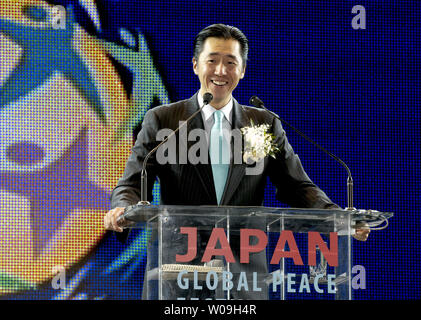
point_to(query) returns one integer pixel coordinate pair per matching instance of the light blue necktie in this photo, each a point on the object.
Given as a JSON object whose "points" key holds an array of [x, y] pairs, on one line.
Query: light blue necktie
{"points": [[219, 155]]}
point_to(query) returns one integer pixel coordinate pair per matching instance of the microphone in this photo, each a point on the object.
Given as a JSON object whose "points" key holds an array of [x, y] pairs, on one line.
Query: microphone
{"points": [[255, 101], [207, 98]]}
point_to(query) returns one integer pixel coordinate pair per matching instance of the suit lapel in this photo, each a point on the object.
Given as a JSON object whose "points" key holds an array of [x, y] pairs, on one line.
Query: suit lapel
{"points": [[236, 171], [203, 170]]}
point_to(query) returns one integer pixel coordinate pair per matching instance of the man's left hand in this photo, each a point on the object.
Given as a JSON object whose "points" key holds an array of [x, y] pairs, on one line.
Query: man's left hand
{"points": [[362, 230]]}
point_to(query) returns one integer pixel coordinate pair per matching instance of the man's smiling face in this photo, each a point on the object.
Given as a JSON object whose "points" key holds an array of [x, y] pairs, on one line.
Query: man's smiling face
{"points": [[219, 69]]}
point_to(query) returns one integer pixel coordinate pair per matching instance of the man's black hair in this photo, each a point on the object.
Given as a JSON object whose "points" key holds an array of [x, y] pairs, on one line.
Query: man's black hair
{"points": [[224, 31]]}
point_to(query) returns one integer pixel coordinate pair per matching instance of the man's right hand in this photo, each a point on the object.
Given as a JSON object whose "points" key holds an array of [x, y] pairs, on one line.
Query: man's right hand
{"points": [[110, 219]]}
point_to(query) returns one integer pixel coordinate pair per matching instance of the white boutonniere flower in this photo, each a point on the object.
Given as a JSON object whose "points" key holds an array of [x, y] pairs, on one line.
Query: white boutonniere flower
{"points": [[258, 142]]}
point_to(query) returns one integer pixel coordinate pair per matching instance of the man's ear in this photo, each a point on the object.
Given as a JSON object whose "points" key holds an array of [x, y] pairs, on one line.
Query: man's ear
{"points": [[243, 72], [194, 61]]}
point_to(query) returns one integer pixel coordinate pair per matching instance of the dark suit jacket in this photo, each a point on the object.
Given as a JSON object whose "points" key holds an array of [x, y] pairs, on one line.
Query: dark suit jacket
{"points": [[187, 184]]}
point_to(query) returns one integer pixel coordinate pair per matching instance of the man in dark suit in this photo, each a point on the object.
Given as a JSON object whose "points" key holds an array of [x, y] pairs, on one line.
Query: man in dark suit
{"points": [[220, 56]]}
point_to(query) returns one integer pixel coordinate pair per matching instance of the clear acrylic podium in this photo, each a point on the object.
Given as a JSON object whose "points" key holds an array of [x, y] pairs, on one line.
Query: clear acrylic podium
{"points": [[219, 252]]}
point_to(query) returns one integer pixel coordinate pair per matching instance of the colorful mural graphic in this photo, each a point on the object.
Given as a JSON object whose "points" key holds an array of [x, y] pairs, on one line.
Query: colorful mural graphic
{"points": [[74, 89], [67, 126]]}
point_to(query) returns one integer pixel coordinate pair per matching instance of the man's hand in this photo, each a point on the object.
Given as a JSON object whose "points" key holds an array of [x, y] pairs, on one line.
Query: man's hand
{"points": [[362, 231], [110, 219]]}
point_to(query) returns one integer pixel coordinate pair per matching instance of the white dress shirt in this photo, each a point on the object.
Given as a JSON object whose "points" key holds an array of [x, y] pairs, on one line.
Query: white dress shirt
{"points": [[209, 120]]}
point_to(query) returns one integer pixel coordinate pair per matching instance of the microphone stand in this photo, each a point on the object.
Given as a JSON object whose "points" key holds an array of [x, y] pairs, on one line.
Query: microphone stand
{"points": [[207, 98], [254, 100]]}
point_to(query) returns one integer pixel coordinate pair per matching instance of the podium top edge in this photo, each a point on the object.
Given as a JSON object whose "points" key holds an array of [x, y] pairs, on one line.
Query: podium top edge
{"points": [[146, 212], [252, 208]]}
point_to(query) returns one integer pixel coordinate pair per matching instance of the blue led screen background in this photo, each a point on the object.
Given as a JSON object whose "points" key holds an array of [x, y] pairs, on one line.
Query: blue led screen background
{"points": [[72, 98]]}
